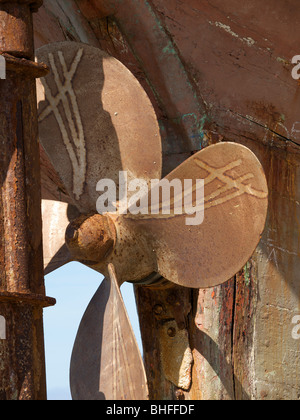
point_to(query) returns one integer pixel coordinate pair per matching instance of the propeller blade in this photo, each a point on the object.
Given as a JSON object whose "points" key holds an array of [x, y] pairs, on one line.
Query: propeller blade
{"points": [[234, 209], [52, 187], [56, 217], [106, 362], [95, 120]]}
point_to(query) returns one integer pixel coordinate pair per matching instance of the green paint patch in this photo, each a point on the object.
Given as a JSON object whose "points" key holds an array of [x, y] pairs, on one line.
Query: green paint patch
{"points": [[169, 49], [283, 61], [247, 274]]}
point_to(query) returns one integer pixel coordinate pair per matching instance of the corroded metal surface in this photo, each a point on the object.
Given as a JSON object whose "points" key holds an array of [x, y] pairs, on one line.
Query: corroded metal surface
{"points": [[22, 293], [23, 66], [91, 238]]}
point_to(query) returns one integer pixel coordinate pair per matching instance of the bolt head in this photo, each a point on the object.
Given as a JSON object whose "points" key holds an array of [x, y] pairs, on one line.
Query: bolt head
{"points": [[171, 332], [158, 309]]}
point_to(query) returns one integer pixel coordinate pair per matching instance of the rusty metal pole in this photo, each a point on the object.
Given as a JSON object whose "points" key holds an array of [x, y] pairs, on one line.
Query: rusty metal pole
{"points": [[22, 292]]}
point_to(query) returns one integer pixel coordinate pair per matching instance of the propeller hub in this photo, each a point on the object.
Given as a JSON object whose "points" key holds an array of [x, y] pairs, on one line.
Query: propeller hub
{"points": [[91, 238]]}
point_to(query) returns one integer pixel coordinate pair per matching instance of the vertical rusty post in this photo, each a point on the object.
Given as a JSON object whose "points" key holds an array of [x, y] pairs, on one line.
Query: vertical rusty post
{"points": [[22, 292]]}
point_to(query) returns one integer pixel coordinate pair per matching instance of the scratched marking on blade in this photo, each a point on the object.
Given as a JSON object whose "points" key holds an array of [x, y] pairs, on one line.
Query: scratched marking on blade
{"points": [[75, 141], [239, 184], [231, 189]]}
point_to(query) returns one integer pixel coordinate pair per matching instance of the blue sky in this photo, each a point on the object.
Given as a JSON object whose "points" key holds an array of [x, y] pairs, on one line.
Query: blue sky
{"points": [[73, 286]]}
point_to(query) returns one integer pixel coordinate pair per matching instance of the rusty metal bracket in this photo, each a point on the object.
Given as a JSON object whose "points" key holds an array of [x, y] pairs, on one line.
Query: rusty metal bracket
{"points": [[177, 368], [23, 66], [29, 298]]}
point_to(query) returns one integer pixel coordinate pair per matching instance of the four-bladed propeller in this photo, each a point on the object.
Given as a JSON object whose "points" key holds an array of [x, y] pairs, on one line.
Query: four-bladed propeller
{"points": [[196, 228]]}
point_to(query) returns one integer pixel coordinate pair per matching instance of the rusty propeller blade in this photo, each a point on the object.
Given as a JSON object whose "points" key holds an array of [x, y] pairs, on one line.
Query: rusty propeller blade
{"points": [[234, 214], [106, 362], [95, 120]]}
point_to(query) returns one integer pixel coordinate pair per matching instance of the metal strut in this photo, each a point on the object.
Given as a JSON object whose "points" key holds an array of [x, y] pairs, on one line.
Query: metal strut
{"points": [[22, 291]]}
